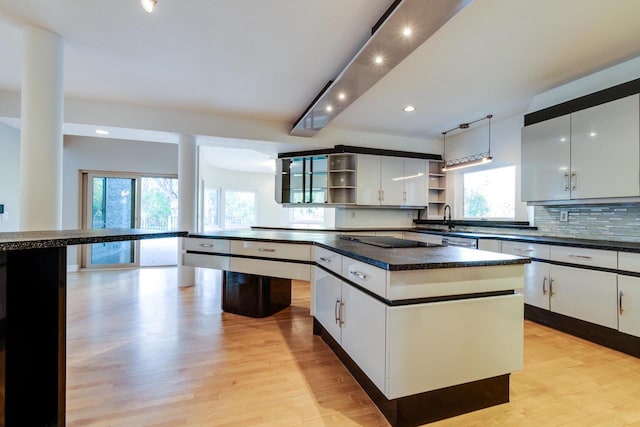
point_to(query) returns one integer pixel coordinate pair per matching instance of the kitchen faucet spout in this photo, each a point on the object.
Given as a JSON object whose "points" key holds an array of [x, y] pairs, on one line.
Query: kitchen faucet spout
{"points": [[447, 219]]}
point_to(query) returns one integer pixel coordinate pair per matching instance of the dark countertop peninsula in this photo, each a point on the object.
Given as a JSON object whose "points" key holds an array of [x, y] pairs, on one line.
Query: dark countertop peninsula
{"points": [[20, 240], [394, 259]]}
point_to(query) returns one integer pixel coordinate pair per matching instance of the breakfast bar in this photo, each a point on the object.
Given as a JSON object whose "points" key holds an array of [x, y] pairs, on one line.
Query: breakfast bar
{"points": [[428, 331], [33, 270]]}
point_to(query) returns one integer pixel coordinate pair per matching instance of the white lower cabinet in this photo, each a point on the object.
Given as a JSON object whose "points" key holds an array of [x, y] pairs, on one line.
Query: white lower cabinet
{"points": [[355, 320], [629, 305], [536, 284], [588, 295]]}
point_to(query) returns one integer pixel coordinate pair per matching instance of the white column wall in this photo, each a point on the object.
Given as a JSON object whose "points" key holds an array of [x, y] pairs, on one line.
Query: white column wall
{"points": [[187, 192], [41, 136]]}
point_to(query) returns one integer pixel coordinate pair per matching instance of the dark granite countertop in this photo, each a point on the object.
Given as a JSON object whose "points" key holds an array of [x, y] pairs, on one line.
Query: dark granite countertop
{"points": [[612, 245], [389, 259], [20, 240]]}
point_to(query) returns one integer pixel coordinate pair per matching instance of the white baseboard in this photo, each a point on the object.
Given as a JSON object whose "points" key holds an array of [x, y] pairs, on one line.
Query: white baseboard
{"points": [[73, 268]]}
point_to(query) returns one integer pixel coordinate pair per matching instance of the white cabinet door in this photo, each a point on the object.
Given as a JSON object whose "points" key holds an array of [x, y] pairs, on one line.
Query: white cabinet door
{"points": [[545, 160], [536, 284], [391, 182], [415, 182], [629, 305], [605, 150], [327, 297], [584, 294], [368, 180], [363, 333]]}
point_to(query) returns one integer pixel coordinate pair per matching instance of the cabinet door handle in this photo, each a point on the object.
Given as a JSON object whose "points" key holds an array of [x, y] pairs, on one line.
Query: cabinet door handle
{"points": [[335, 311], [544, 285], [551, 287], [206, 245], [579, 256], [404, 196], [266, 250], [574, 180], [358, 274], [379, 195], [620, 302], [340, 314], [382, 192], [323, 259], [528, 251], [566, 181]]}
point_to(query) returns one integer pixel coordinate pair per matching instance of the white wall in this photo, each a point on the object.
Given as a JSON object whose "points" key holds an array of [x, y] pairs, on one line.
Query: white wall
{"points": [[505, 149], [107, 155], [10, 177]]}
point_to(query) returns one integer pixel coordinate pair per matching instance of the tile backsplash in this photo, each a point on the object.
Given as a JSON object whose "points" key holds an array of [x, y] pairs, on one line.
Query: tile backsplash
{"points": [[606, 222]]}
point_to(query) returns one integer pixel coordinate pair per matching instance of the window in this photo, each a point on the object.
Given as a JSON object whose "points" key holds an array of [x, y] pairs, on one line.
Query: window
{"points": [[490, 194], [307, 215], [211, 209], [239, 209]]}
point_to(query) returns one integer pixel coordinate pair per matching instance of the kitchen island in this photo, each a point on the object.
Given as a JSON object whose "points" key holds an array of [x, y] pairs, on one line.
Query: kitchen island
{"points": [[33, 270], [429, 332]]}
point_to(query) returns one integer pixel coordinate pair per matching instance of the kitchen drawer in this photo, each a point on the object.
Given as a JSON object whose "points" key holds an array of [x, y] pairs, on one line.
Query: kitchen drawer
{"points": [[218, 246], [365, 275], [629, 261], [327, 259], [206, 261], [298, 252], [531, 250], [263, 267], [582, 256]]}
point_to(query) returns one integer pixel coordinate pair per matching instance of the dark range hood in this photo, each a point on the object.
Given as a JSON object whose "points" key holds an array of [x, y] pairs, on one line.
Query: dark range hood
{"points": [[388, 242]]}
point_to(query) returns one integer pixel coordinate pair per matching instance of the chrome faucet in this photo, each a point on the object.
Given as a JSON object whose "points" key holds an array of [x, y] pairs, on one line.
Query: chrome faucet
{"points": [[447, 220]]}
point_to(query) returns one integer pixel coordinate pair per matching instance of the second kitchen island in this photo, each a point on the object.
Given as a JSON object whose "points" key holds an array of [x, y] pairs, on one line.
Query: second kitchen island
{"points": [[429, 332]]}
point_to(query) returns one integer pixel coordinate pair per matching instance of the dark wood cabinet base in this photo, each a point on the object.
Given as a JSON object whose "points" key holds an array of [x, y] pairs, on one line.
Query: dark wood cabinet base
{"points": [[253, 295], [602, 335], [428, 406]]}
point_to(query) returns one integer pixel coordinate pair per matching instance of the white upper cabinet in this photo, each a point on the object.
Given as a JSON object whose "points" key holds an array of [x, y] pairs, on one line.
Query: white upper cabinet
{"points": [[415, 182], [546, 160], [391, 181], [589, 154], [605, 150]]}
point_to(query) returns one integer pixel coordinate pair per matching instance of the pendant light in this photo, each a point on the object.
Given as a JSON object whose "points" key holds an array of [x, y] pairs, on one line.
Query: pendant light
{"points": [[468, 161]]}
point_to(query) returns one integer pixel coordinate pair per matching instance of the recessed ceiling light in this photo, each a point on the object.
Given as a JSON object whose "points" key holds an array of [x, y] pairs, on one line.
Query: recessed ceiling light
{"points": [[409, 108], [148, 5], [592, 134], [563, 139], [329, 108], [342, 96], [102, 132], [406, 32], [378, 59]]}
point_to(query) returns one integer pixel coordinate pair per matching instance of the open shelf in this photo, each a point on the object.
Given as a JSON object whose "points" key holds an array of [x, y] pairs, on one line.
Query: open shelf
{"points": [[437, 190], [342, 178]]}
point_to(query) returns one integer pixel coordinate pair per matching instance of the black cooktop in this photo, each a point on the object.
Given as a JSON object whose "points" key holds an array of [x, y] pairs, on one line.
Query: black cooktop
{"points": [[388, 242]]}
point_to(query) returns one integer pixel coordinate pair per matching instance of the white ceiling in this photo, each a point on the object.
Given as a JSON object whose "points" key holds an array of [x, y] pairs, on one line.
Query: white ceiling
{"points": [[262, 59]]}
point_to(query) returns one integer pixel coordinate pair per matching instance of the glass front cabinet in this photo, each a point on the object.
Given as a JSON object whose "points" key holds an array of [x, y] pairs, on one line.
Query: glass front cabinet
{"points": [[303, 179]]}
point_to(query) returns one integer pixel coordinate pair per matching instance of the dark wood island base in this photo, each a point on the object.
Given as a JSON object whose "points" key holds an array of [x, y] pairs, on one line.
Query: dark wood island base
{"points": [[429, 406], [254, 295]]}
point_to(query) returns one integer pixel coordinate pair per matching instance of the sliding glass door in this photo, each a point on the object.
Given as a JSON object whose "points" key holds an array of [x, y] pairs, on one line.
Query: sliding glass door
{"points": [[113, 205]]}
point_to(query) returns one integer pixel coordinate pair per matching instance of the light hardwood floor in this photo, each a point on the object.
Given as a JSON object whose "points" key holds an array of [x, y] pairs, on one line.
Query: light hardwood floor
{"points": [[143, 352]]}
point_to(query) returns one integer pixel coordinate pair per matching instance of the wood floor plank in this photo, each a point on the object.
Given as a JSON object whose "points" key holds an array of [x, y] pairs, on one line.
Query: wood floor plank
{"points": [[143, 352]]}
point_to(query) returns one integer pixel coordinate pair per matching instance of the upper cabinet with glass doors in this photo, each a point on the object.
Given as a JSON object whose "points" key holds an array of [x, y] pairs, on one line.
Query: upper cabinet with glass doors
{"points": [[592, 153], [303, 179]]}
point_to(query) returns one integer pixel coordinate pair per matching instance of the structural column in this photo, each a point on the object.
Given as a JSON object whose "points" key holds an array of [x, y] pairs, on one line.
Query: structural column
{"points": [[187, 192], [41, 135]]}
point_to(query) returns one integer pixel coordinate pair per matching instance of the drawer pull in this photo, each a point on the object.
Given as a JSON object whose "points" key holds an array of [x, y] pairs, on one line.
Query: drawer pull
{"points": [[323, 259], [358, 274], [266, 250], [620, 302], [544, 285], [580, 256], [206, 245], [524, 250]]}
